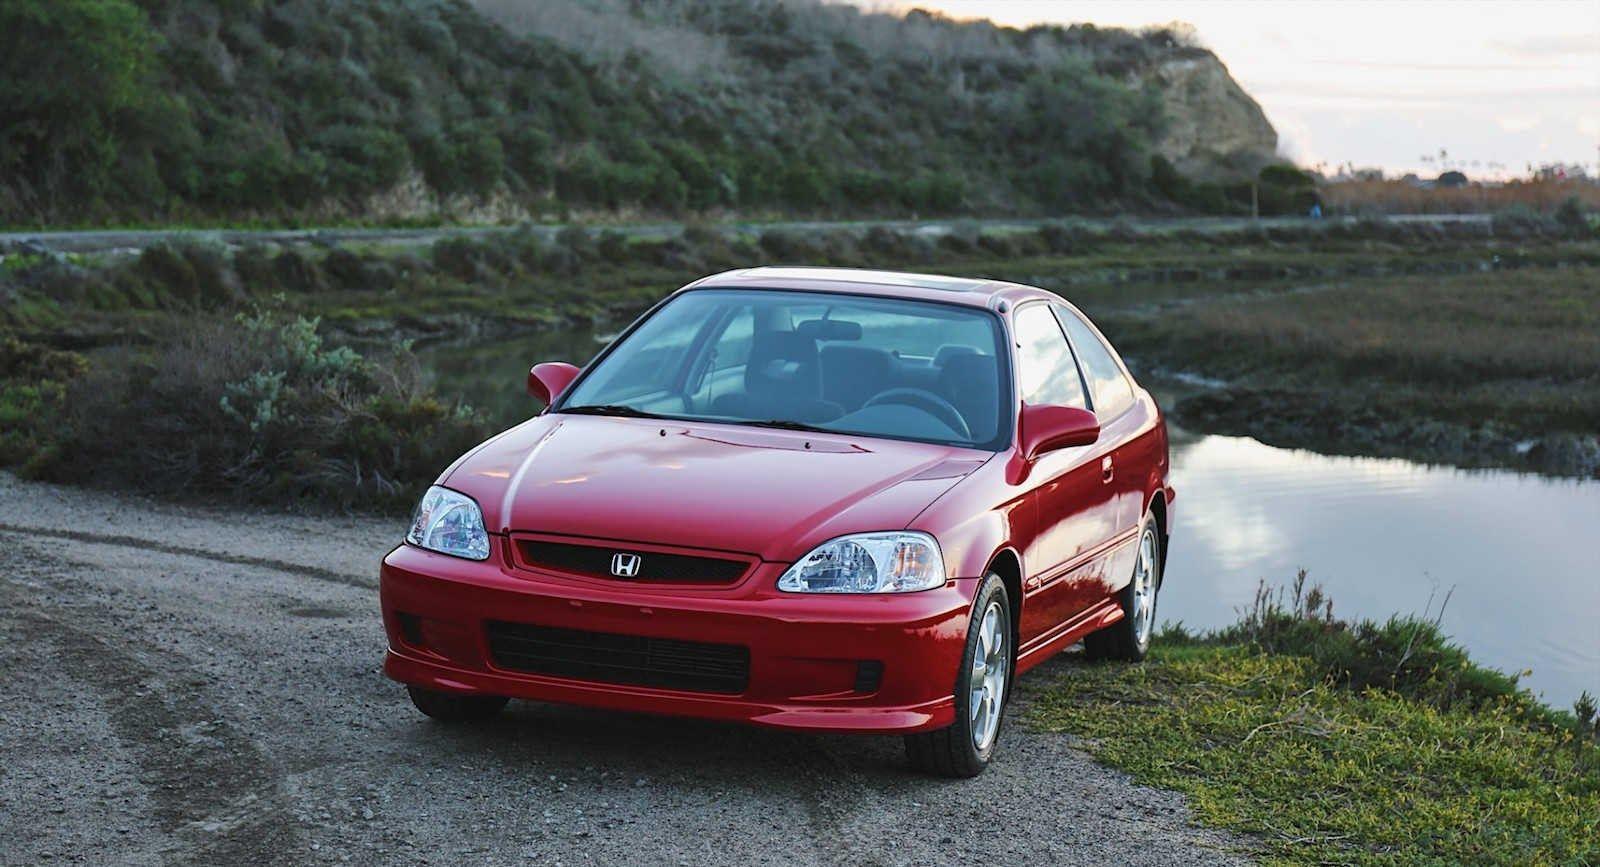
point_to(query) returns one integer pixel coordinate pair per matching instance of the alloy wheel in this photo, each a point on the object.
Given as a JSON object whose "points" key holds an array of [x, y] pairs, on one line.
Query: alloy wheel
{"points": [[990, 667], [1144, 589]]}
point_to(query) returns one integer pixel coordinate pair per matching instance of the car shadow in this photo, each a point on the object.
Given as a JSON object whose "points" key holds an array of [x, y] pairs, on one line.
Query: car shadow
{"points": [[567, 739]]}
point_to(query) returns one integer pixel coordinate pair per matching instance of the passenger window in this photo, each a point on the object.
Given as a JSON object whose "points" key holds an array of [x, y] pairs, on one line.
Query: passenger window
{"points": [[1107, 383], [1045, 370]]}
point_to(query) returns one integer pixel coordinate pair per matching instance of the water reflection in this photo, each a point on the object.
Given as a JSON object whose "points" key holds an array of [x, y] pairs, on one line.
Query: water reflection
{"points": [[492, 375], [1381, 535]]}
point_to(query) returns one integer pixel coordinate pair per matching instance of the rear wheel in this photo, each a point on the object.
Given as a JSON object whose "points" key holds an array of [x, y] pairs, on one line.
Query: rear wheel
{"points": [[1129, 638], [982, 686], [450, 707]]}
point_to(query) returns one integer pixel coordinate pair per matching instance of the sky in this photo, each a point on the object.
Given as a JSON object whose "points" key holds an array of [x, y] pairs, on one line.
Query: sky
{"points": [[1496, 85]]}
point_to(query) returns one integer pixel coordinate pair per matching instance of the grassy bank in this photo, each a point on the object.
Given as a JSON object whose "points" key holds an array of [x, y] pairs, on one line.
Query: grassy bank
{"points": [[1469, 340], [1337, 743]]}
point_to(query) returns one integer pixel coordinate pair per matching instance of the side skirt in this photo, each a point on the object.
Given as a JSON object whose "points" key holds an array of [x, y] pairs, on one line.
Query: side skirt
{"points": [[1103, 614]]}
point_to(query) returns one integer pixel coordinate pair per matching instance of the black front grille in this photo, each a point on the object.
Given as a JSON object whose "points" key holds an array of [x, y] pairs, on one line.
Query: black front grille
{"points": [[595, 560], [610, 658]]}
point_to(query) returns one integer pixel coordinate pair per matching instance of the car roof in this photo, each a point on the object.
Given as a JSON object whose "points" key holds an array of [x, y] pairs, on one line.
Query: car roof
{"points": [[971, 291]]}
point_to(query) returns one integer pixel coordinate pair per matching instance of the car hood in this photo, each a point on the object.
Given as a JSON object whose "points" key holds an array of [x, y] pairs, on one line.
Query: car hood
{"points": [[770, 493]]}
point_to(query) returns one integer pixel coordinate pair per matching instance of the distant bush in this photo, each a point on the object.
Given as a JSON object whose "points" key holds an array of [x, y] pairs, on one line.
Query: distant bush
{"points": [[190, 275], [1571, 217]]}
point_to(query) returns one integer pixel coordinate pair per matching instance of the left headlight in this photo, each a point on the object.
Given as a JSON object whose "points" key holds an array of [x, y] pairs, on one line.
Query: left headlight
{"points": [[449, 523], [897, 562]]}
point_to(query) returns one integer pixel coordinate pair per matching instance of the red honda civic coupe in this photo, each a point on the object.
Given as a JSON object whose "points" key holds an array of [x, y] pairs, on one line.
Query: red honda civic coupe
{"points": [[809, 498]]}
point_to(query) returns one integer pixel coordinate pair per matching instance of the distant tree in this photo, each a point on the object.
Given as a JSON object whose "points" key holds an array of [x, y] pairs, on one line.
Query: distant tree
{"points": [[1452, 178], [70, 73]]}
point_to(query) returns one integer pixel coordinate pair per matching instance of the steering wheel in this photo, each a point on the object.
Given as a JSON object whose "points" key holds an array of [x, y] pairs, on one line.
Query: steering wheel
{"points": [[928, 402]]}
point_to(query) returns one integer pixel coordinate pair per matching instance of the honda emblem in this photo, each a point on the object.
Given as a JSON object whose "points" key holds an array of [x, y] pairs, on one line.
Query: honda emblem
{"points": [[625, 565]]}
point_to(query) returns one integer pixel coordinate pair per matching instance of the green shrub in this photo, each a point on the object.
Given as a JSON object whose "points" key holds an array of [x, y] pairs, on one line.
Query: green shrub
{"points": [[255, 407], [1408, 655], [1571, 218], [359, 159]]}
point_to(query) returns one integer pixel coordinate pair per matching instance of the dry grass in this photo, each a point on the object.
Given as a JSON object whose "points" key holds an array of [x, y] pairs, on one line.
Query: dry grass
{"points": [[1398, 197]]}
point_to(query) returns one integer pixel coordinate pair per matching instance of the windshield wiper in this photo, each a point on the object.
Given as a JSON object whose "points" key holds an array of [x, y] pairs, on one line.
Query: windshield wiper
{"points": [[786, 424], [611, 409]]}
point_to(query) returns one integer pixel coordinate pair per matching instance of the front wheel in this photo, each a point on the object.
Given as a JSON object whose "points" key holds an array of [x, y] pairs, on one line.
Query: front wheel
{"points": [[1129, 638], [964, 748]]}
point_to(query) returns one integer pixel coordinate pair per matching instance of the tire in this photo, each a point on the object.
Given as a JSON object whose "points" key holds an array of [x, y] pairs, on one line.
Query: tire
{"points": [[1129, 638], [451, 708], [964, 748]]}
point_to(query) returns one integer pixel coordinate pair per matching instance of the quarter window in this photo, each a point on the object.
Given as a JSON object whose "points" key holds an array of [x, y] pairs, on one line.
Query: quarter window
{"points": [[1046, 373], [1107, 383]]}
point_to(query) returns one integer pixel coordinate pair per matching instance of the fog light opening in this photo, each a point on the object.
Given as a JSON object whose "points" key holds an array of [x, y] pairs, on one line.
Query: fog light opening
{"points": [[869, 676], [410, 629]]}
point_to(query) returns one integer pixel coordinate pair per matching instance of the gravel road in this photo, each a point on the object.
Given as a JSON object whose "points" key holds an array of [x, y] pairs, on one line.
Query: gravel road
{"points": [[187, 685]]}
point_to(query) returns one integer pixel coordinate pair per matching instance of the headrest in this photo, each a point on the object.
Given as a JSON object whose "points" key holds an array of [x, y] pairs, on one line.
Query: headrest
{"points": [[963, 366], [951, 350]]}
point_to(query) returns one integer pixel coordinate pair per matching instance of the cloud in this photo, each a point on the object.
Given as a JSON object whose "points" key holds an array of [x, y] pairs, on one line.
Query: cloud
{"points": [[1546, 47], [1518, 122]]}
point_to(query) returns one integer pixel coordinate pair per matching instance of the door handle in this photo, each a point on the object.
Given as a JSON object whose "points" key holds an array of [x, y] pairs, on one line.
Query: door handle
{"points": [[1107, 471]]}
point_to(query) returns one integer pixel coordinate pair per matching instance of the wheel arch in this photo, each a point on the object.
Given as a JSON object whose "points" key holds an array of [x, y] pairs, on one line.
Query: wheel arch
{"points": [[1007, 564], [1158, 510]]}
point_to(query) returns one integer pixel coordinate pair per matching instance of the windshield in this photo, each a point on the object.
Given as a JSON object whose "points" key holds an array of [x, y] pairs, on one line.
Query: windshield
{"points": [[885, 367]]}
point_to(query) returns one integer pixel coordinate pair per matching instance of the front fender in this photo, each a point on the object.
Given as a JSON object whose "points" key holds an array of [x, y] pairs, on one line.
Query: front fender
{"points": [[971, 545]]}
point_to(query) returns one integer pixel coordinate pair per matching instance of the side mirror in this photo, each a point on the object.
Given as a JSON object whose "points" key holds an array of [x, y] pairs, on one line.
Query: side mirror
{"points": [[1048, 428], [546, 381]]}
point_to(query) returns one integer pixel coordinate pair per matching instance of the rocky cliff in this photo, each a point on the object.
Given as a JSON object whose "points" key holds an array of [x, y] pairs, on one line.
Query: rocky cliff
{"points": [[1214, 129]]}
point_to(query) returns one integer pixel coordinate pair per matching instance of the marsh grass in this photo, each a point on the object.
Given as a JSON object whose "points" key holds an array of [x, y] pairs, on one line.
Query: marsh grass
{"points": [[1518, 347], [1340, 743], [1226, 302], [1400, 197]]}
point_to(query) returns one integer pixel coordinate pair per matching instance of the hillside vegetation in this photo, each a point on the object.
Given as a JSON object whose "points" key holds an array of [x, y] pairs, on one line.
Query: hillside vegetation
{"points": [[119, 111]]}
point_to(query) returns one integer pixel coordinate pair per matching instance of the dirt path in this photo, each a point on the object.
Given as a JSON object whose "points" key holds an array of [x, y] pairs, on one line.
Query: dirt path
{"points": [[133, 240], [186, 686]]}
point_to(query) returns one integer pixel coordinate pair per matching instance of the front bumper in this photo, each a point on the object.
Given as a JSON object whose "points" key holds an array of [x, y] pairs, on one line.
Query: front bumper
{"points": [[805, 651]]}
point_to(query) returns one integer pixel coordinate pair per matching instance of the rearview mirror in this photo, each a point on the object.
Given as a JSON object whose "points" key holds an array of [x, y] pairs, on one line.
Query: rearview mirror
{"points": [[829, 329], [1047, 428], [546, 381]]}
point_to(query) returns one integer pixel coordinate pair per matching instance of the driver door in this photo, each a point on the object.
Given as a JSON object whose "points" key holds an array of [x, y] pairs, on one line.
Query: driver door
{"points": [[1073, 509]]}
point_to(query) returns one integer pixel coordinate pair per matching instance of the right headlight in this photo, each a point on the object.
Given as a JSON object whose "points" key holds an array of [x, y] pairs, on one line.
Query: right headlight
{"points": [[449, 523], [894, 562]]}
